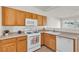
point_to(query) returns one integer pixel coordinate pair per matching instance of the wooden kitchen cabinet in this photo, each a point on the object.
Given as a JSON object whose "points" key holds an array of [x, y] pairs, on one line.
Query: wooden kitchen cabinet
{"points": [[40, 20], [20, 18], [44, 20], [34, 16], [50, 41], [8, 45], [0, 46], [8, 16], [21, 44], [42, 39], [77, 45], [17, 44], [46, 39], [28, 15], [11, 47], [13, 17]]}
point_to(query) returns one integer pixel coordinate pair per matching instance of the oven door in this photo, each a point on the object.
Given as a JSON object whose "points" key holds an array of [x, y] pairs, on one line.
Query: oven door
{"points": [[34, 42]]}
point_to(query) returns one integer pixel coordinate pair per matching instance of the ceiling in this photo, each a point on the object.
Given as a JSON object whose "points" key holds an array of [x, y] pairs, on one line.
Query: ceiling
{"points": [[60, 11], [53, 11], [46, 8]]}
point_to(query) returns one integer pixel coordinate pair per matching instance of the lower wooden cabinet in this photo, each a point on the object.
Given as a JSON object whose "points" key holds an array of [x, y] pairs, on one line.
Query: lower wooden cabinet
{"points": [[11, 47], [77, 45], [50, 41], [42, 39], [8, 45], [21, 44], [17, 44]]}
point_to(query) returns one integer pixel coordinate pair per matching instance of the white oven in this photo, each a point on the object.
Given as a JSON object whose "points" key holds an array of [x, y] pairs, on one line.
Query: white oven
{"points": [[33, 42], [33, 35]]}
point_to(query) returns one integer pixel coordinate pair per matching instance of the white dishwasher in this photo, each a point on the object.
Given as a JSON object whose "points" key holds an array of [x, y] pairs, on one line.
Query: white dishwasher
{"points": [[64, 44]]}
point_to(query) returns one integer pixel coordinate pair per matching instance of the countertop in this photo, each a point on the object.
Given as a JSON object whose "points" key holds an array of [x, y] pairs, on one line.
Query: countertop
{"points": [[57, 33], [62, 34], [12, 35], [76, 31]]}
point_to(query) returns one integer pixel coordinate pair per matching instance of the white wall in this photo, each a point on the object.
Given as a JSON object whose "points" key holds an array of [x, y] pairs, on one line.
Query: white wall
{"points": [[53, 22], [61, 12]]}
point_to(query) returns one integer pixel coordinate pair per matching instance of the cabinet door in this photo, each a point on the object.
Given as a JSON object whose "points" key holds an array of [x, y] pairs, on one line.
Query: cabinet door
{"points": [[40, 20], [50, 41], [46, 39], [9, 47], [0, 49], [0, 46], [20, 18], [34, 16], [78, 45], [42, 39], [28, 15], [44, 20], [8, 16], [21, 44]]}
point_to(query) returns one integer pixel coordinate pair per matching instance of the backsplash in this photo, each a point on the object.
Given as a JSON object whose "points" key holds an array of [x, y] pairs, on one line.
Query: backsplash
{"points": [[16, 28], [11, 28]]}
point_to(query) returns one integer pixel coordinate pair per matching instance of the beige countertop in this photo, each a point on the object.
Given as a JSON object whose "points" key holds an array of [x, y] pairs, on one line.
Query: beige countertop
{"points": [[76, 31], [62, 34], [67, 35], [11, 36]]}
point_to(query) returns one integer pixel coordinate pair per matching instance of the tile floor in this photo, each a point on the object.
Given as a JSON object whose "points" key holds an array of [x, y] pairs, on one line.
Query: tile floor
{"points": [[44, 49]]}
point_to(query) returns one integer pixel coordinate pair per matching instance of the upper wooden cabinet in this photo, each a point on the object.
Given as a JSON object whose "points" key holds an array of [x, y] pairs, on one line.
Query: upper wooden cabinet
{"points": [[8, 16], [34, 16], [40, 20], [44, 20], [13, 17], [28, 15], [20, 18]]}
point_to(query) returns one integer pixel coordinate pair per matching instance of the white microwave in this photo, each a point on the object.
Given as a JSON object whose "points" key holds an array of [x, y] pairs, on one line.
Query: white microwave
{"points": [[30, 22]]}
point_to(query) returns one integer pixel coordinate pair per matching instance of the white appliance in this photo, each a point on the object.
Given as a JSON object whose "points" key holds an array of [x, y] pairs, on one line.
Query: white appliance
{"points": [[30, 22], [33, 36], [64, 44], [33, 42]]}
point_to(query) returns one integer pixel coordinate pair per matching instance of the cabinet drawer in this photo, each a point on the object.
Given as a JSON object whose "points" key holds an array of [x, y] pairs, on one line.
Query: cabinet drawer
{"points": [[8, 41], [21, 38]]}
